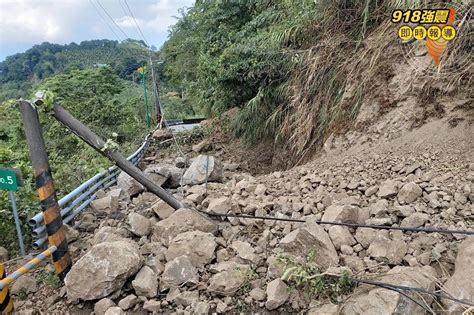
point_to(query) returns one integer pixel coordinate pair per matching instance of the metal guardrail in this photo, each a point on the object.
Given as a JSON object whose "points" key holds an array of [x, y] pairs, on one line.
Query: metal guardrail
{"points": [[80, 198]]}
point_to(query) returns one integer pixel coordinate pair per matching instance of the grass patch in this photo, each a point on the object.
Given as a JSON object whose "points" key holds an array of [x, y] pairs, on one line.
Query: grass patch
{"points": [[248, 275], [307, 276], [48, 278]]}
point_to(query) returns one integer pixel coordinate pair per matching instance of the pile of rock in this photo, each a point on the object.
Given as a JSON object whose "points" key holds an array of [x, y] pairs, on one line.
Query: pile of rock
{"points": [[143, 254]]}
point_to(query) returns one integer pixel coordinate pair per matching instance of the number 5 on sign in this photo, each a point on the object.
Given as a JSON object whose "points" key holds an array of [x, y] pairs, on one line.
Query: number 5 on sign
{"points": [[10, 179]]}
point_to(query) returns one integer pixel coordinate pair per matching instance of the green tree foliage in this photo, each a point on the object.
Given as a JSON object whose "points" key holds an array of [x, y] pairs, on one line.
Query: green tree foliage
{"points": [[21, 70], [99, 98], [246, 53]]}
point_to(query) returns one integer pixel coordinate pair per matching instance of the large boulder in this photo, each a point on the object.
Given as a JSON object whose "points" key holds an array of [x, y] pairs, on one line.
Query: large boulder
{"points": [[196, 173], [375, 300], [311, 237], [461, 283], [129, 185], [103, 270], [198, 246], [182, 220]]}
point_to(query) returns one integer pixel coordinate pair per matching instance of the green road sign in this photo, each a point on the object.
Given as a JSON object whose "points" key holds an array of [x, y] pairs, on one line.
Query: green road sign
{"points": [[9, 179]]}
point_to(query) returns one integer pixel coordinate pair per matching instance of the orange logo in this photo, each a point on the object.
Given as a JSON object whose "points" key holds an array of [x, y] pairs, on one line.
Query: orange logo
{"points": [[439, 35]]}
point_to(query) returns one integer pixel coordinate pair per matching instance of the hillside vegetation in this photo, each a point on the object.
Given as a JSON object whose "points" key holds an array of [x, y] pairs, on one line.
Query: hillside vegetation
{"points": [[18, 72], [298, 70]]}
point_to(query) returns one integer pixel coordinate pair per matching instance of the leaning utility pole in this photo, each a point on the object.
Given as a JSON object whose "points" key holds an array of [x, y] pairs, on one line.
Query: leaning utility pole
{"points": [[45, 188], [88, 136]]}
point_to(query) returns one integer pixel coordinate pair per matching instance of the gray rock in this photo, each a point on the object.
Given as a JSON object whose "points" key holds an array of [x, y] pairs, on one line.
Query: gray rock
{"points": [[371, 190], [102, 306], [71, 234], [198, 246], [365, 236], [162, 209], [26, 284], [340, 235], [409, 193], [107, 234], [325, 309], [461, 283], [139, 225], [128, 302], [257, 294], [117, 261], [176, 174], [245, 251], [129, 185], [231, 167], [178, 271], [182, 220], [220, 205], [374, 300], [379, 208], [201, 308], [388, 189], [159, 174], [415, 220], [187, 298], [3, 254], [152, 306], [386, 250], [196, 173], [277, 294], [260, 190], [311, 237], [115, 310], [106, 204], [146, 282], [162, 134], [341, 213], [229, 279]]}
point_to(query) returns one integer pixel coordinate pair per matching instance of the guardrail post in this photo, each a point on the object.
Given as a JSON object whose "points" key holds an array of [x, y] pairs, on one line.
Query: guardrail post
{"points": [[45, 188]]}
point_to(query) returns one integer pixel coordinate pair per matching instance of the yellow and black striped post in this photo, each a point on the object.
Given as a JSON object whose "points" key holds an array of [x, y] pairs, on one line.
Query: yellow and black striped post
{"points": [[45, 188], [6, 301]]}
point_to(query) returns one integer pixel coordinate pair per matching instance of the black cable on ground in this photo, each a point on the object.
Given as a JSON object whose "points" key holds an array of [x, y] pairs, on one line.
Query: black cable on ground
{"points": [[419, 290], [354, 225]]}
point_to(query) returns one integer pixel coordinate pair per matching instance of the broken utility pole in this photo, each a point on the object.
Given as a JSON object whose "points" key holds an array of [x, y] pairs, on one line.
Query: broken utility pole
{"points": [[83, 132]]}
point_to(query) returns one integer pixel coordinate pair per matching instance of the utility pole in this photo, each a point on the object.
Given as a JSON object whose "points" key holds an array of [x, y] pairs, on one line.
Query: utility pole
{"points": [[156, 90], [45, 188]]}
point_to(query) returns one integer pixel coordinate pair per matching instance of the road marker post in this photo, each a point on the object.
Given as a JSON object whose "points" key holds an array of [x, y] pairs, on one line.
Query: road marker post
{"points": [[10, 179]]}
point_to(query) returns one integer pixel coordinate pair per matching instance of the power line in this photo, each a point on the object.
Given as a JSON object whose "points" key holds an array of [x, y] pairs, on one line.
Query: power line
{"points": [[136, 24], [113, 21], [105, 21]]}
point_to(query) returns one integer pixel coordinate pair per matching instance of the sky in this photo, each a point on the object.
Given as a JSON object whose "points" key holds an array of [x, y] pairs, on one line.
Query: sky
{"points": [[24, 23]]}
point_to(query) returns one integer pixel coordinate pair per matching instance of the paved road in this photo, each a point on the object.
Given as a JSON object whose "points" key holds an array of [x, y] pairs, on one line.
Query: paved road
{"points": [[179, 128]]}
